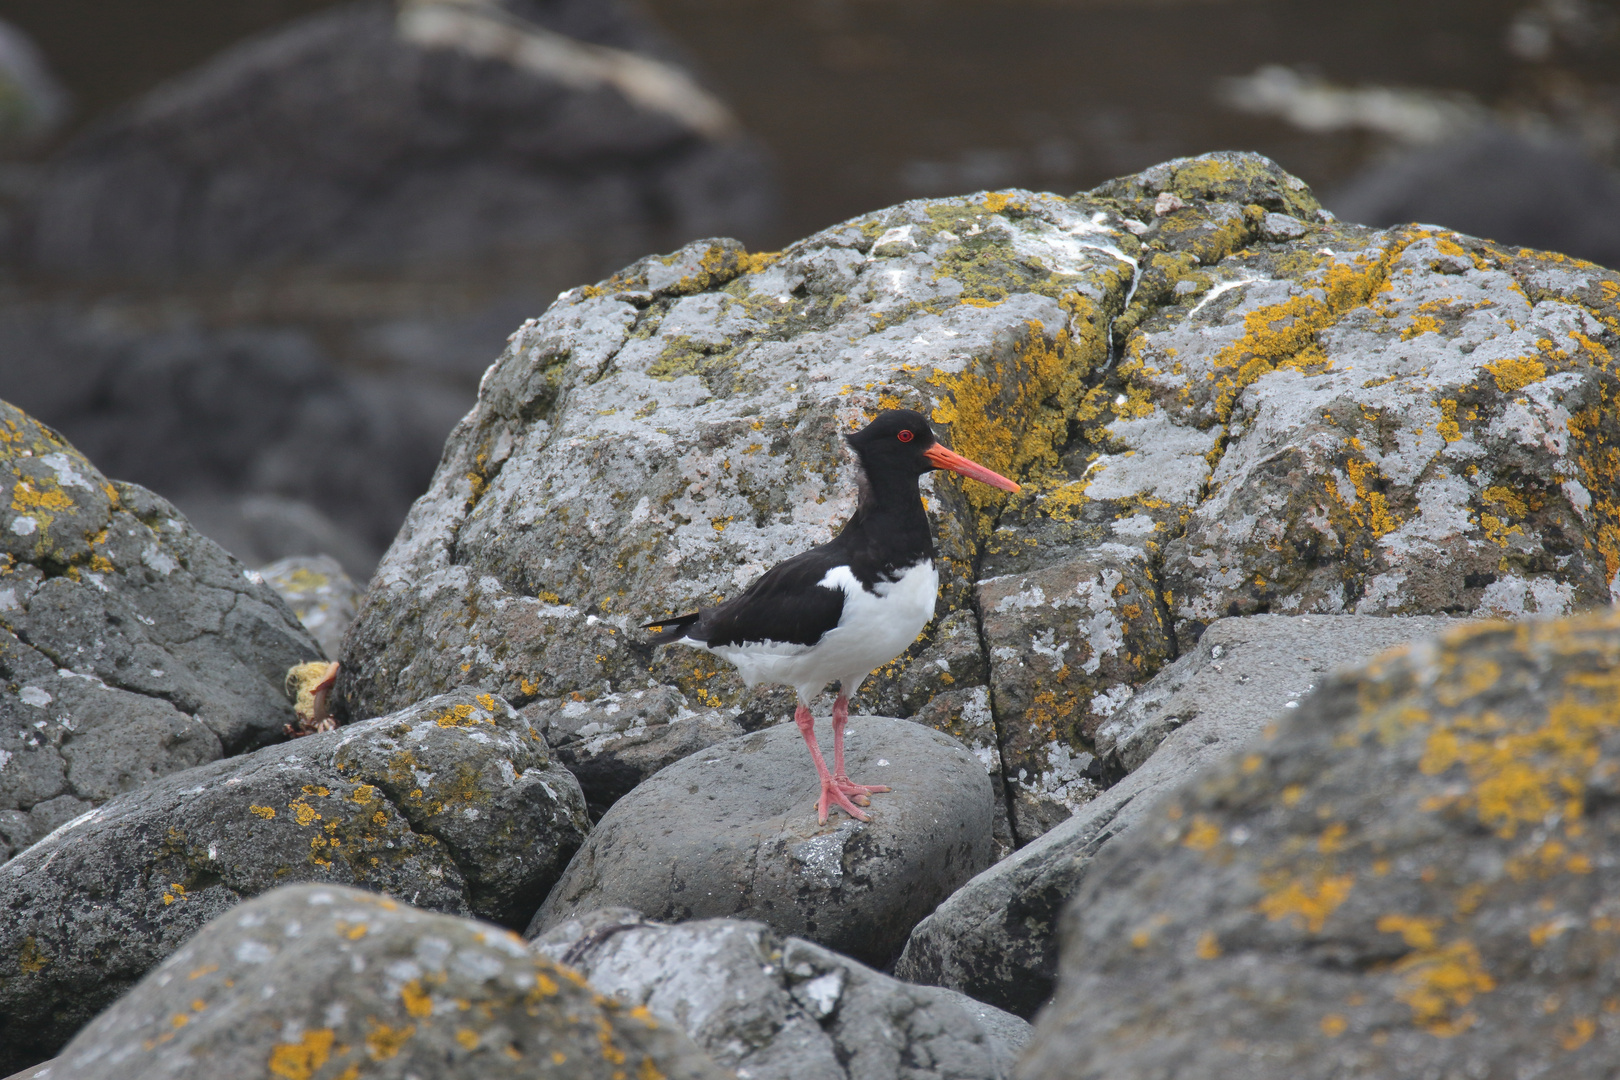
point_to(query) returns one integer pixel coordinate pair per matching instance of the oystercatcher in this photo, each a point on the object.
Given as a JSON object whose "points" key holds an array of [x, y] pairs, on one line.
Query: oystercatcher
{"points": [[846, 608]]}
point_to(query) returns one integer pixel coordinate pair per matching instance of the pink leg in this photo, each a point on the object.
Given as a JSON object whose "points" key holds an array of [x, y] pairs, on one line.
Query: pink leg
{"points": [[845, 784], [830, 792]]}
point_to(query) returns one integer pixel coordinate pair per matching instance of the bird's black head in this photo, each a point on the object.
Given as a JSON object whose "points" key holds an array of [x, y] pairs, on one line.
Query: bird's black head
{"points": [[900, 442], [897, 441]]}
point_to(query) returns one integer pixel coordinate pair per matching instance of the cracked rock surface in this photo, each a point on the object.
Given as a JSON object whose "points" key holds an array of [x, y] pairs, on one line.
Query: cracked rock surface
{"points": [[131, 646], [996, 937], [775, 1008], [453, 805], [1219, 400], [324, 980], [731, 831], [1414, 875]]}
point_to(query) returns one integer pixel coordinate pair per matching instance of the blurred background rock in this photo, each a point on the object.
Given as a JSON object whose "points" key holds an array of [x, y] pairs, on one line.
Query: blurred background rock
{"points": [[255, 255]]}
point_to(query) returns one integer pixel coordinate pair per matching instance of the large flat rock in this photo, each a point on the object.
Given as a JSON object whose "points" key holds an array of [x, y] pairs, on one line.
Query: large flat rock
{"points": [[731, 831], [320, 980], [1414, 875], [996, 937], [453, 805], [131, 646]]}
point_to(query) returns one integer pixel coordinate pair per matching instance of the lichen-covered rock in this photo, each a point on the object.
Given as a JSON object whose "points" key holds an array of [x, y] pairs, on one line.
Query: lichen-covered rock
{"points": [[323, 981], [1414, 875], [453, 804], [616, 741], [319, 593], [995, 938], [1220, 402], [774, 1008], [731, 831], [130, 645]]}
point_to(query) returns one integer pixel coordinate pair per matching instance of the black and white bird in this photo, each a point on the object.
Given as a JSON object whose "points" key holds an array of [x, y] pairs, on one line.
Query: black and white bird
{"points": [[846, 608]]}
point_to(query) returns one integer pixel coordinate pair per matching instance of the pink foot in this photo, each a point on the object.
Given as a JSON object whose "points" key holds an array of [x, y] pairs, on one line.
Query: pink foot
{"points": [[832, 790], [840, 717]]}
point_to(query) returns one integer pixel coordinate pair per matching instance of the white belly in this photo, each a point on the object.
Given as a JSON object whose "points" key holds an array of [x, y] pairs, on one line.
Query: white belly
{"points": [[875, 627]]}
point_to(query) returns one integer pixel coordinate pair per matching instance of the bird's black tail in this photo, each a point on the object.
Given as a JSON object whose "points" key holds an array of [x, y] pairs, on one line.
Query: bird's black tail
{"points": [[674, 628]]}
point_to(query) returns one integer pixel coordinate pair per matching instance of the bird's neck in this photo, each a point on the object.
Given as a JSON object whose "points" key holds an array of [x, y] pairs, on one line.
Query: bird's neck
{"points": [[890, 518]]}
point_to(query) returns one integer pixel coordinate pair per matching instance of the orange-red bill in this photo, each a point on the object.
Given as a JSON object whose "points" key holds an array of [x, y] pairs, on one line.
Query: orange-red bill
{"points": [[941, 458]]}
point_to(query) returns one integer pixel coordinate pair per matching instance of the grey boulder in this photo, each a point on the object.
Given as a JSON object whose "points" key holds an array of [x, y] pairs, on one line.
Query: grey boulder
{"points": [[1413, 876], [775, 1008], [453, 804], [996, 937], [320, 980], [731, 831], [131, 646], [320, 594]]}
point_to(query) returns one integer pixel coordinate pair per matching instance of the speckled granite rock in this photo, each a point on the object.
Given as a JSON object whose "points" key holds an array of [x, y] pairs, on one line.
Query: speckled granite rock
{"points": [[1415, 875], [319, 593], [130, 645], [995, 937], [774, 1008], [453, 804], [731, 831], [326, 981], [1219, 402]]}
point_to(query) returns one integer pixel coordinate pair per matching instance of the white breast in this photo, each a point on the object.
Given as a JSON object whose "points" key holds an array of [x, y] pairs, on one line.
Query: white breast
{"points": [[875, 627]]}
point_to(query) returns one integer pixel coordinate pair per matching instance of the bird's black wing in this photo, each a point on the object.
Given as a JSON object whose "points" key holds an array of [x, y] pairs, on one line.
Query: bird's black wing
{"points": [[785, 604]]}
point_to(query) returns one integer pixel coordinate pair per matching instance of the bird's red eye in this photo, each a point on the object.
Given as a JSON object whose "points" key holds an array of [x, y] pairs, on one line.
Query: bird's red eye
{"points": [[905, 436]]}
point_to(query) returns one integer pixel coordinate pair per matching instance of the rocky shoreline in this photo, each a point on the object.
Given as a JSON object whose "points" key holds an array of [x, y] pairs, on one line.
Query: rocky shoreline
{"points": [[1268, 731]]}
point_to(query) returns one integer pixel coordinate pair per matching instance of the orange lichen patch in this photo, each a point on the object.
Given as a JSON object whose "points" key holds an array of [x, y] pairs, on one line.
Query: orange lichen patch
{"points": [[464, 715], [1208, 947], [604, 1034], [1332, 838], [1308, 902], [206, 969], [1517, 372], [383, 1042], [1438, 982], [266, 812], [300, 1060], [1596, 454], [1202, 835], [648, 1071], [1333, 1025], [1520, 777], [997, 201], [1285, 334], [1014, 419], [1416, 931], [1578, 1034], [416, 1000], [31, 960], [1421, 324], [1448, 427], [644, 1014], [303, 813], [467, 1037]]}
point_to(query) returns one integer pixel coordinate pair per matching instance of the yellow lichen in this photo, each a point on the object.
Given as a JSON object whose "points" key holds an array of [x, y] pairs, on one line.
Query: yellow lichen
{"points": [[1307, 901], [383, 1041], [1515, 373], [300, 1060], [1438, 982]]}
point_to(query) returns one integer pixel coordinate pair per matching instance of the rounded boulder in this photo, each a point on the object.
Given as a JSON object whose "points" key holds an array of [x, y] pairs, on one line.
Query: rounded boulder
{"points": [[731, 831]]}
